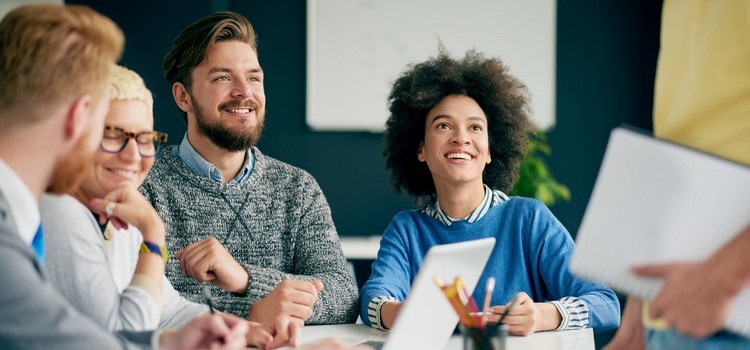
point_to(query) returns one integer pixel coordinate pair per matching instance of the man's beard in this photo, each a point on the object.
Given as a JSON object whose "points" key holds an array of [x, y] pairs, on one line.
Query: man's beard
{"points": [[72, 169], [230, 140]]}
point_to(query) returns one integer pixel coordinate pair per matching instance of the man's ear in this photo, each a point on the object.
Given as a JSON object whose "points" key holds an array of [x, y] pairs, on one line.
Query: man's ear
{"points": [[420, 152], [181, 97], [77, 117]]}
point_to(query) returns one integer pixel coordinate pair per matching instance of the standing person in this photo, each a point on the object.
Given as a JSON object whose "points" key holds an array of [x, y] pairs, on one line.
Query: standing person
{"points": [[702, 100], [55, 63], [455, 136], [258, 229]]}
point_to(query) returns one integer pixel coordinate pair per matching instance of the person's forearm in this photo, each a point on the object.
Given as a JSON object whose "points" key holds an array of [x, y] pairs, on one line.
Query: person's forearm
{"points": [[177, 310], [551, 317], [630, 335], [151, 264], [337, 303], [149, 272], [235, 282], [339, 300], [166, 339], [388, 313], [153, 229], [733, 262]]}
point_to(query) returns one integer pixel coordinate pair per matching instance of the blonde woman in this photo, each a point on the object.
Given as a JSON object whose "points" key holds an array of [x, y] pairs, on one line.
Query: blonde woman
{"points": [[107, 256]]}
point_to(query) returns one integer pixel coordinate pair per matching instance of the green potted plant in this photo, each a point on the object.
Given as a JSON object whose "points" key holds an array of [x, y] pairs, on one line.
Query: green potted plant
{"points": [[535, 180]]}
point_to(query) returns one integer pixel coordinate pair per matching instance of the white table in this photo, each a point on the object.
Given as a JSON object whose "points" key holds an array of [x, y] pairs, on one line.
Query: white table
{"points": [[361, 248], [562, 340]]}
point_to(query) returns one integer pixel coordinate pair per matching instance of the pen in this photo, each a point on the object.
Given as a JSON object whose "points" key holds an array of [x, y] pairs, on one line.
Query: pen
{"points": [[208, 298], [510, 306], [210, 302], [487, 297]]}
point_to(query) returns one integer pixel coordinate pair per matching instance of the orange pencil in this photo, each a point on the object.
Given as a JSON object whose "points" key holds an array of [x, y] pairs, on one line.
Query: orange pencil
{"points": [[451, 293], [468, 300]]}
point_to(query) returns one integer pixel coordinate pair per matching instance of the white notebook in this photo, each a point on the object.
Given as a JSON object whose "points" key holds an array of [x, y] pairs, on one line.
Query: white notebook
{"points": [[654, 202]]}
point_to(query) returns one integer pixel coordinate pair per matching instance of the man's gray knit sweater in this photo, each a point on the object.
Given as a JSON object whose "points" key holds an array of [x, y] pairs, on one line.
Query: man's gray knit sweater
{"points": [[277, 225]]}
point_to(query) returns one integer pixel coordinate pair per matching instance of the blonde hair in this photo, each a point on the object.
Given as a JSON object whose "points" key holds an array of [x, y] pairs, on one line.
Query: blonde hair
{"points": [[128, 85], [50, 55]]}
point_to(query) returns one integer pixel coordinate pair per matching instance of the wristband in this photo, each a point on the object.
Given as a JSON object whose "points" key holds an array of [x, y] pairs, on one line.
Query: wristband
{"points": [[150, 247]]}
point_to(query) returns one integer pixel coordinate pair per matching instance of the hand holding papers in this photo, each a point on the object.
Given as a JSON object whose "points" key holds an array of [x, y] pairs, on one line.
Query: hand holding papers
{"points": [[657, 202]]}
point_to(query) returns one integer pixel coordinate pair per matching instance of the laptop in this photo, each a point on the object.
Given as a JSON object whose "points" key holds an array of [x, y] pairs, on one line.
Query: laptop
{"points": [[426, 319], [654, 202]]}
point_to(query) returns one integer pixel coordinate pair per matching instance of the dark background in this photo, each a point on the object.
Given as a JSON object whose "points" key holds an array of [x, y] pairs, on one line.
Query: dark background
{"points": [[606, 61]]}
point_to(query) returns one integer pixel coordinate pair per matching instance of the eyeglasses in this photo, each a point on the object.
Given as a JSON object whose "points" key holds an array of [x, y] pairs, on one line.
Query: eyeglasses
{"points": [[149, 142]]}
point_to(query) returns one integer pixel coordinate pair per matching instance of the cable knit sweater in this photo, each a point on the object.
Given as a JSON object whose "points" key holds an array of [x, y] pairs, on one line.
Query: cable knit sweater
{"points": [[277, 225]]}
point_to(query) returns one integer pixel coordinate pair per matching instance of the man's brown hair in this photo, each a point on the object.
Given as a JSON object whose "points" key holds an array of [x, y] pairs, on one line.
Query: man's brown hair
{"points": [[189, 47], [51, 54]]}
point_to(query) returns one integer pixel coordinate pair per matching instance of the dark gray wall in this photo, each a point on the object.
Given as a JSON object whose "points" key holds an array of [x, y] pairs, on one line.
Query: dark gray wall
{"points": [[606, 55], [606, 63]]}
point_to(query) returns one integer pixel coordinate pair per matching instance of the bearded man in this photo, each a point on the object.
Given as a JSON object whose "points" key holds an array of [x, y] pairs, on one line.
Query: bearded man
{"points": [[257, 229]]}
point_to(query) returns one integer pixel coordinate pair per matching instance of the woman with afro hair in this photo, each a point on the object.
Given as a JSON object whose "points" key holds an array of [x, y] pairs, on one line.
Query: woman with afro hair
{"points": [[457, 131]]}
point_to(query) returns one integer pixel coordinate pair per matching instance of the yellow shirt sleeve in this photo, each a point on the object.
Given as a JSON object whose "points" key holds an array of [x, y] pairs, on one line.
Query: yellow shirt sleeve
{"points": [[702, 91]]}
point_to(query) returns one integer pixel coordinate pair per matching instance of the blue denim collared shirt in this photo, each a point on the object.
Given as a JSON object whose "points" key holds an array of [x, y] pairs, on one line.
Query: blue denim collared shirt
{"points": [[201, 167]]}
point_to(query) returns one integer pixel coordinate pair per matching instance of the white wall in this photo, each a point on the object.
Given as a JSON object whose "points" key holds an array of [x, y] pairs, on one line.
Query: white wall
{"points": [[357, 48], [8, 5]]}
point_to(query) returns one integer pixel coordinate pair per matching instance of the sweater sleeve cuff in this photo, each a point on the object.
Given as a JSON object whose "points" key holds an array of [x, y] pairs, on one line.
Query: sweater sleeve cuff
{"points": [[373, 311], [247, 268], [261, 281], [150, 287], [574, 313]]}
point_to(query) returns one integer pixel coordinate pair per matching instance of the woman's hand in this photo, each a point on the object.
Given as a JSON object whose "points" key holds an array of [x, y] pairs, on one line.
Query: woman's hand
{"points": [[527, 317], [126, 205], [219, 331], [282, 330], [388, 313]]}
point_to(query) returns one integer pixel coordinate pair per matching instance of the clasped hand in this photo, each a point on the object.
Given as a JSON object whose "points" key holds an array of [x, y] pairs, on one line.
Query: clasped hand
{"points": [[209, 261], [281, 315], [219, 331]]}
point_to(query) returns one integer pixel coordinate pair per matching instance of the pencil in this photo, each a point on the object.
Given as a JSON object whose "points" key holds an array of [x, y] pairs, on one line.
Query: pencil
{"points": [[510, 306], [487, 297], [451, 293]]}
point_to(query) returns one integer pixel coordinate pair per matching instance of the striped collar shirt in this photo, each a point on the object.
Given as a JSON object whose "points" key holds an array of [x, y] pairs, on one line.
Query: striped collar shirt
{"points": [[491, 199]]}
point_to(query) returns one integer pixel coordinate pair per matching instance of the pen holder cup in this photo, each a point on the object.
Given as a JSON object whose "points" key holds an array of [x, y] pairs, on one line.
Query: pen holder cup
{"points": [[492, 337]]}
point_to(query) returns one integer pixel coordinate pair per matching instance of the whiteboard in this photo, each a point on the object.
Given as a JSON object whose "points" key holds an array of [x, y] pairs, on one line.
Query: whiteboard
{"points": [[9, 5], [357, 48]]}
